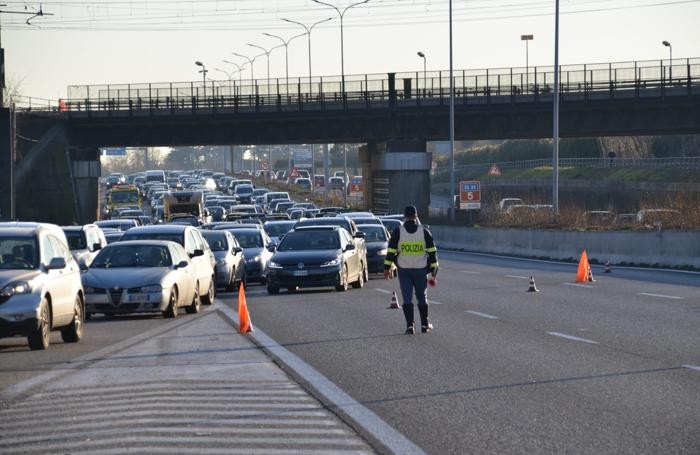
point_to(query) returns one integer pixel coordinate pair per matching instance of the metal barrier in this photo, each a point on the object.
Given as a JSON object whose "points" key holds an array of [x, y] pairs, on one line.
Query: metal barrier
{"points": [[644, 79]]}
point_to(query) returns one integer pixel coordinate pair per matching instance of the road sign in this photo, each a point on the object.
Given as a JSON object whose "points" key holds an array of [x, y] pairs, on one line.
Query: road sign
{"points": [[294, 174], [494, 170], [470, 195], [302, 156], [265, 165], [114, 151]]}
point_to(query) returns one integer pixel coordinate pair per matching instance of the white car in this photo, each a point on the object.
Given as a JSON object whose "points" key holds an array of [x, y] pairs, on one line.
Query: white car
{"points": [[40, 288]]}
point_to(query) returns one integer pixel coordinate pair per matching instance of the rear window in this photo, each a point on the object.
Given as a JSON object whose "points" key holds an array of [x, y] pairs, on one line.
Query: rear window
{"points": [[76, 240], [153, 236], [310, 240]]}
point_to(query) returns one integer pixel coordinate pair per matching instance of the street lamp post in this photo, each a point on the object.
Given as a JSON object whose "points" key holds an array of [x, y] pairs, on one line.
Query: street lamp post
{"points": [[240, 70], [425, 78], [670, 60], [266, 52], [204, 72], [555, 126], [342, 55], [286, 52], [452, 129], [527, 39], [252, 76], [229, 76], [308, 33]]}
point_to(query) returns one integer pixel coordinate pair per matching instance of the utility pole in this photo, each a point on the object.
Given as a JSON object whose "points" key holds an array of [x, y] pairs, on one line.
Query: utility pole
{"points": [[555, 126]]}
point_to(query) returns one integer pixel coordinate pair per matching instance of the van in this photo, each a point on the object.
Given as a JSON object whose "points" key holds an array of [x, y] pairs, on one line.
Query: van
{"points": [[155, 176]]}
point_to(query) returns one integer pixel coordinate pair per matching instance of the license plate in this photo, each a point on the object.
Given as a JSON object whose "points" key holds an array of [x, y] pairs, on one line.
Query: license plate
{"points": [[301, 272]]}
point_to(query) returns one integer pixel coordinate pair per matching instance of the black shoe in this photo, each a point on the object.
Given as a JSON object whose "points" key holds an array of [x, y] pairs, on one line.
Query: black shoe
{"points": [[410, 330], [426, 328]]}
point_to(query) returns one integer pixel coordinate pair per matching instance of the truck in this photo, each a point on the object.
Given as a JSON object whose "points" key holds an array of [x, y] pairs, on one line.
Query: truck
{"points": [[123, 195], [184, 203]]}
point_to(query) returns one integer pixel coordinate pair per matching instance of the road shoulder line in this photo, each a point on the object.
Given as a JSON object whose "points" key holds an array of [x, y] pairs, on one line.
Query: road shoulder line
{"points": [[360, 416]]}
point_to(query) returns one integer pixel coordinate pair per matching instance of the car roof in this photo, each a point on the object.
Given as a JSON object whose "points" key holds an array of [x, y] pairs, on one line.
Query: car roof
{"points": [[271, 222], [161, 228], [145, 242], [318, 228], [19, 231]]}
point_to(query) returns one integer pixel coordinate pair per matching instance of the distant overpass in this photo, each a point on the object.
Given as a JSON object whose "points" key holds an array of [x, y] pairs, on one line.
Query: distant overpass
{"points": [[395, 114]]}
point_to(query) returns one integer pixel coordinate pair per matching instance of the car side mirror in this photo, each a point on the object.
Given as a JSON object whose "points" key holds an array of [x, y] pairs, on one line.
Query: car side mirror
{"points": [[181, 264], [359, 235], [349, 247], [56, 264], [197, 253], [83, 267], [96, 246], [271, 248], [236, 249]]}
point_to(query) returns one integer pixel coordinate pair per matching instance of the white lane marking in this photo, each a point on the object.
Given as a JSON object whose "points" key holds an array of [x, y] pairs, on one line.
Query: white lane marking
{"points": [[482, 315], [383, 291], [691, 367], [370, 422], [434, 302], [578, 285], [575, 264], [661, 296], [471, 272], [572, 338], [518, 276]]}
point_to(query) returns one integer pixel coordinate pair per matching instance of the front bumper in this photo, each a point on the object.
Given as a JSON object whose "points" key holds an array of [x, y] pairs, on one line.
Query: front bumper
{"points": [[314, 277], [375, 264], [112, 301], [255, 271], [223, 274], [19, 314]]}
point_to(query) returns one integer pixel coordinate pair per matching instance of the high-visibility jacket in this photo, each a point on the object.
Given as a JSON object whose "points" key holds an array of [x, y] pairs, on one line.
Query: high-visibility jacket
{"points": [[412, 247]]}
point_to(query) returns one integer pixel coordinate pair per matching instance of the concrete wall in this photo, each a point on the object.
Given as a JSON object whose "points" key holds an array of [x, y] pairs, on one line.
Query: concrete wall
{"points": [[664, 248]]}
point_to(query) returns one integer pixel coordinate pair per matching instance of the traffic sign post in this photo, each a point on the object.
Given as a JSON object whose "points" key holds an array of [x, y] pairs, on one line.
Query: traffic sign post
{"points": [[470, 195]]}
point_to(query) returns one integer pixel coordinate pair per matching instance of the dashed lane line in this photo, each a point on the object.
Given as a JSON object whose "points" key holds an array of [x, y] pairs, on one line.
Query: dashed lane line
{"points": [[470, 272], [661, 296], [578, 285], [572, 338], [518, 276], [482, 315], [383, 291], [691, 367], [435, 302]]}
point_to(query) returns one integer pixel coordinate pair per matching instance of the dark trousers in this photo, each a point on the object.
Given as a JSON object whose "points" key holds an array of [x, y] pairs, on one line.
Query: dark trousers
{"points": [[411, 280]]}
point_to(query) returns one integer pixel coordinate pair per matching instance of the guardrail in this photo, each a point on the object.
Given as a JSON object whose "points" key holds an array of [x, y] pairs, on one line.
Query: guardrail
{"points": [[657, 78], [687, 163], [30, 103]]}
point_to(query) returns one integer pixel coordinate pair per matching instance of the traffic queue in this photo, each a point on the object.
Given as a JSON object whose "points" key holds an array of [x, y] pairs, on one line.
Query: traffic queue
{"points": [[167, 243]]}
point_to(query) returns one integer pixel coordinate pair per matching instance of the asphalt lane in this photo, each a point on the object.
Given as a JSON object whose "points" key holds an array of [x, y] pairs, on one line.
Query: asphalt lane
{"points": [[595, 368]]}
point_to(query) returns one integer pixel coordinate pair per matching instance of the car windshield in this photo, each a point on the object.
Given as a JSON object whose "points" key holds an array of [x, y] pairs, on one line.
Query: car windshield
{"points": [[132, 256], [216, 240], [373, 233], [275, 230], [249, 239], [18, 253], [76, 240], [125, 196], [154, 236], [310, 240]]}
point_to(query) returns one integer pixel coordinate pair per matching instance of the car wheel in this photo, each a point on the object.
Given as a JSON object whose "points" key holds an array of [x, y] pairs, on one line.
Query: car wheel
{"points": [[273, 290], [231, 285], [171, 310], [360, 279], [74, 332], [39, 338], [292, 288], [208, 298], [196, 302], [366, 273], [243, 281], [343, 285]]}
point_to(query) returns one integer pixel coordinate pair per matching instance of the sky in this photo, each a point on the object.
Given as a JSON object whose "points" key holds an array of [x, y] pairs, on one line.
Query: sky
{"points": [[122, 41]]}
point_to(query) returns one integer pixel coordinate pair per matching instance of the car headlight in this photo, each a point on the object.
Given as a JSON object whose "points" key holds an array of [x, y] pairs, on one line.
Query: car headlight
{"points": [[16, 288], [382, 252], [254, 259], [91, 290], [335, 261], [221, 262], [152, 288], [273, 265]]}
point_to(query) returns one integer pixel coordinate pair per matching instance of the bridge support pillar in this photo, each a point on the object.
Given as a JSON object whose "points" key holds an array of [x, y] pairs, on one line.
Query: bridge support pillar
{"points": [[399, 175], [7, 190], [84, 169]]}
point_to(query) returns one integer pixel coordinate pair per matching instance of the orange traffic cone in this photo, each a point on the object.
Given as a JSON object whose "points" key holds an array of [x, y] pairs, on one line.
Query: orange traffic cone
{"points": [[244, 324], [533, 286], [584, 269], [394, 302]]}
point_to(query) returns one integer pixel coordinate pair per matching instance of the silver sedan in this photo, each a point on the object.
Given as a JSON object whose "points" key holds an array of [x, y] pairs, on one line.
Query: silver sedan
{"points": [[142, 276]]}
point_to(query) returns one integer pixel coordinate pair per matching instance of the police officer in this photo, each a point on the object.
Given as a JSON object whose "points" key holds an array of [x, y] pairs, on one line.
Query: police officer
{"points": [[413, 250]]}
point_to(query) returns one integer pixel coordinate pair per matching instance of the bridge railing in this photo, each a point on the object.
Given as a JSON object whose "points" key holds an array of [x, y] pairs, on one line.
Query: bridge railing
{"points": [[472, 170], [395, 90], [28, 103]]}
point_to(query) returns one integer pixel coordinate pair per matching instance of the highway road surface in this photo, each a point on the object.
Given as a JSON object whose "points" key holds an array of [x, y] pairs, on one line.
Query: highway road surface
{"points": [[611, 366]]}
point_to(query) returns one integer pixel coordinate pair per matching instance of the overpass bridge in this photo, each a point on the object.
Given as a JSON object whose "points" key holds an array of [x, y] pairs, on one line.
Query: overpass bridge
{"points": [[395, 114]]}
